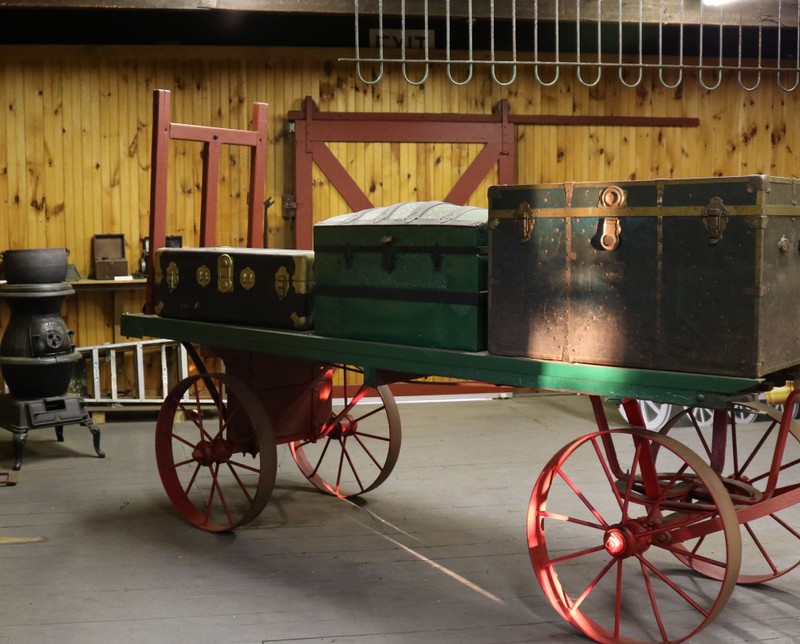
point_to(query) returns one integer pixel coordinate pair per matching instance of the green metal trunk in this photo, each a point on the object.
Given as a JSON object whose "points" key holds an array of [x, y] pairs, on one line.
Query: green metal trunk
{"points": [[411, 273], [693, 275], [251, 286]]}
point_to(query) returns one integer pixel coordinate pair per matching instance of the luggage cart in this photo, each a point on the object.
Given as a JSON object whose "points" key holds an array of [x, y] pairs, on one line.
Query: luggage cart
{"points": [[666, 523], [635, 535]]}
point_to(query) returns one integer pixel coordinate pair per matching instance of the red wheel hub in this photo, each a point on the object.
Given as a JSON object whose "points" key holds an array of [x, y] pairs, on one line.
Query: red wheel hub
{"points": [[343, 427], [625, 540], [217, 451]]}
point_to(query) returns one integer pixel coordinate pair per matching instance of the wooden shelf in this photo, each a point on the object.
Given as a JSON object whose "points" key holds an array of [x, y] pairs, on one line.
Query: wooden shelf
{"points": [[109, 285]]}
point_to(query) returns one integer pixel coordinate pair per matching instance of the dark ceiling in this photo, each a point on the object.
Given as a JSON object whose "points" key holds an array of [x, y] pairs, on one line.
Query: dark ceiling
{"points": [[216, 27]]}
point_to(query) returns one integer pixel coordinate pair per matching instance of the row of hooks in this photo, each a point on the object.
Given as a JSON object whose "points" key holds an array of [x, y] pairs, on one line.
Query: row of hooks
{"points": [[778, 24]]}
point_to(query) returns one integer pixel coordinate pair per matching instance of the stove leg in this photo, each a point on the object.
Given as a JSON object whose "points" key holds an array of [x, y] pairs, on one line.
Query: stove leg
{"points": [[18, 441], [95, 437], [60, 433]]}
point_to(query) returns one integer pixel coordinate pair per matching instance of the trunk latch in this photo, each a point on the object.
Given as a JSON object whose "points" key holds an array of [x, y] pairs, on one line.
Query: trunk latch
{"points": [[715, 218], [525, 220], [225, 273]]}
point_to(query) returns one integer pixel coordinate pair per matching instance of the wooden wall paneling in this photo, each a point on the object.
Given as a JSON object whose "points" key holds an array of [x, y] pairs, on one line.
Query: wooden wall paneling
{"points": [[14, 142], [108, 222], [6, 98], [53, 112], [32, 156], [67, 109]]}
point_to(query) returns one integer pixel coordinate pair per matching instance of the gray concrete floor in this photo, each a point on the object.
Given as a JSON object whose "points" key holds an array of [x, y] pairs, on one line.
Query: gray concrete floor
{"points": [[92, 551]]}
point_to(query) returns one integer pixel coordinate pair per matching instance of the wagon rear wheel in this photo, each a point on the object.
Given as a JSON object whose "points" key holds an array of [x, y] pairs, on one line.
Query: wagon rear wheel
{"points": [[602, 529], [357, 447], [215, 451], [743, 457]]}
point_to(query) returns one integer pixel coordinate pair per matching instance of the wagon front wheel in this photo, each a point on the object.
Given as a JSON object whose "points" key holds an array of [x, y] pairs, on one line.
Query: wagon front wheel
{"points": [[603, 527], [356, 448], [215, 451]]}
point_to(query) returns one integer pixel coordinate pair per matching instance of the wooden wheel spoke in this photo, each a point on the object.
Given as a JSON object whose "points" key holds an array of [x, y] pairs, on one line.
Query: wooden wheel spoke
{"points": [[783, 468], [577, 554], [244, 466], [576, 490], [193, 478], [654, 603], [647, 565], [352, 466], [366, 451], [179, 464], [760, 547], [626, 500], [592, 584], [608, 473], [221, 495], [181, 439], [340, 468], [740, 472], [693, 556], [384, 439], [196, 417], [618, 600], [377, 410], [563, 517], [785, 526], [321, 456], [241, 484], [701, 437]]}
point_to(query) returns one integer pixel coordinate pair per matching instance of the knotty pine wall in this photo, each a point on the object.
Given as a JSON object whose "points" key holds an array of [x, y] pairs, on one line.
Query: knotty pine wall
{"points": [[75, 141]]}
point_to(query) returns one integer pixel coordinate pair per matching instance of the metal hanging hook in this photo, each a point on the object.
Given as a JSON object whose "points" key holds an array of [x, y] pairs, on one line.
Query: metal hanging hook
{"points": [[380, 46], [578, 71], [748, 88], [469, 36], [796, 53], [661, 48], [700, 58], [536, 46], [513, 61], [403, 46], [640, 66]]}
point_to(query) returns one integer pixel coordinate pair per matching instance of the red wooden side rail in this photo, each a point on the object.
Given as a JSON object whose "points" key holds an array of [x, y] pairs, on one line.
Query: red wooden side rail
{"points": [[212, 138]]}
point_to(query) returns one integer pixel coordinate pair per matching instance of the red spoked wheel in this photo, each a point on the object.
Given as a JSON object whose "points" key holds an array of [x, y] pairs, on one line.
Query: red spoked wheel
{"points": [[603, 528], [356, 449], [744, 455], [215, 451]]}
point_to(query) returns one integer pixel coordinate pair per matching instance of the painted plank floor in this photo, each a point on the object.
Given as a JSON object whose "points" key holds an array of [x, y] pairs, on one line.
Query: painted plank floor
{"points": [[436, 554]]}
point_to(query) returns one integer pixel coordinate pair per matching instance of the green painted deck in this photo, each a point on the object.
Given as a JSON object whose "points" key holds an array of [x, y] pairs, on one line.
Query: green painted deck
{"points": [[392, 362]]}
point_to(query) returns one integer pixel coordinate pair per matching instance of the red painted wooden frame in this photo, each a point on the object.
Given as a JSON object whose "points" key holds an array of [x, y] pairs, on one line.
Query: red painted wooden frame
{"points": [[212, 138], [313, 129]]}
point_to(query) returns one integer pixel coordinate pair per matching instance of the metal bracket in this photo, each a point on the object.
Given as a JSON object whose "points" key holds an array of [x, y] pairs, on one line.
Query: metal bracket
{"points": [[288, 207]]}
